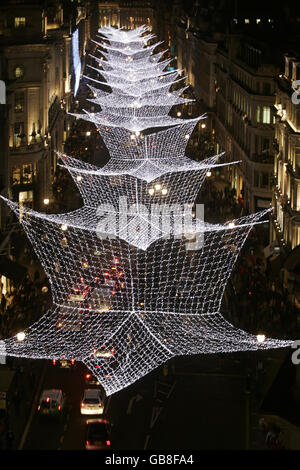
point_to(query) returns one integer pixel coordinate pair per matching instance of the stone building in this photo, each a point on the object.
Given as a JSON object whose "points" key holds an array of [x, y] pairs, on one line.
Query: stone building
{"points": [[286, 198], [36, 53]]}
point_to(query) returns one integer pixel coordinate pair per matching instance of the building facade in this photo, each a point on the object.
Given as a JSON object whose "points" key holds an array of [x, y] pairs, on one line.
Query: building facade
{"points": [[286, 198], [245, 120], [127, 14], [37, 56]]}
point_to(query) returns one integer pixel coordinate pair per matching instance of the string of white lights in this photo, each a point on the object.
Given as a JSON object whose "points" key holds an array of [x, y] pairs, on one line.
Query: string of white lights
{"points": [[137, 277]]}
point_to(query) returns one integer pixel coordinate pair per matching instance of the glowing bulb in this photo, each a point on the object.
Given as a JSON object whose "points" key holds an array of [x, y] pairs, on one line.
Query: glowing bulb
{"points": [[78, 178], [151, 191], [203, 126], [208, 173], [88, 133], [164, 191], [179, 114], [158, 187], [187, 136], [260, 338], [64, 227], [46, 201], [21, 336], [231, 225]]}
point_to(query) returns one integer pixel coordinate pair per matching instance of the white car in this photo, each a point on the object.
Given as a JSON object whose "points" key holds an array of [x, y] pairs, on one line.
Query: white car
{"points": [[51, 402], [92, 402], [106, 353]]}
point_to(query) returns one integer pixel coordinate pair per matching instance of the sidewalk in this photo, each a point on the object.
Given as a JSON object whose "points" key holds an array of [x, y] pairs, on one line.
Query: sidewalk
{"points": [[27, 377]]}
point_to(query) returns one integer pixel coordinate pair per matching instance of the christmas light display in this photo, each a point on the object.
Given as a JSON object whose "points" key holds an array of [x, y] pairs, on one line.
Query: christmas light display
{"points": [[137, 276]]}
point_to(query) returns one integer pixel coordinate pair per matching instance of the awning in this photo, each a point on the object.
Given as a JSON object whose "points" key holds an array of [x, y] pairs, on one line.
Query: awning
{"points": [[12, 270]]}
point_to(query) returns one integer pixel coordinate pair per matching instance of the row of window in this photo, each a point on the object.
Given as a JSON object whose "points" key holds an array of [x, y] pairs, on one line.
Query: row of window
{"points": [[257, 86], [263, 113]]}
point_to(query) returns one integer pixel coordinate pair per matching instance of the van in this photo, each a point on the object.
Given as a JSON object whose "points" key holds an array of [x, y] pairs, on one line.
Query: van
{"points": [[51, 402]]}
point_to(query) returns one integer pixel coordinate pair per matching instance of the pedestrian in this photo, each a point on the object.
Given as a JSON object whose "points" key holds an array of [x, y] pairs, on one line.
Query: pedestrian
{"points": [[9, 439]]}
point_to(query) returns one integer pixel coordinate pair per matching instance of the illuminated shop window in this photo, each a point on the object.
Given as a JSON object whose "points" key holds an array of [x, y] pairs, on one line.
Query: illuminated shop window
{"points": [[20, 21], [19, 71]]}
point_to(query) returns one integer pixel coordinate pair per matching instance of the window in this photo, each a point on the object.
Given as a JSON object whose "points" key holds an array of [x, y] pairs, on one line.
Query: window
{"points": [[19, 102], [16, 175], [258, 114], [19, 71], [26, 197], [20, 21], [265, 180], [266, 88], [18, 131], [27, 173], [265, 144], [266, 115]]}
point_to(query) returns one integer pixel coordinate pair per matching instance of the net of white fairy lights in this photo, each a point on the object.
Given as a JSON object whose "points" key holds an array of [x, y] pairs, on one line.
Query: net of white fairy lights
{"points": [[119, 308], [131, 287]]}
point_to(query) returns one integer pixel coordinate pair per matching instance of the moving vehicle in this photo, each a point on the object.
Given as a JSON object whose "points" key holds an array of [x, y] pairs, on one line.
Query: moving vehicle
{"points": [[104, 352], [90, 379], [63, 363], [98, 434], [51, 402], [92, 402]]}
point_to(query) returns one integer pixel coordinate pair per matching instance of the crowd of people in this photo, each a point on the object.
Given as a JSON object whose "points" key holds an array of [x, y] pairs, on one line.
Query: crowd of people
{"points": [[23, 305]]}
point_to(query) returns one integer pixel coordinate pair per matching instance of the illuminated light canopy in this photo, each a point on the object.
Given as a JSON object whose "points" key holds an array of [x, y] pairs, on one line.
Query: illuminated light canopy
{"points": [[162, 297]]}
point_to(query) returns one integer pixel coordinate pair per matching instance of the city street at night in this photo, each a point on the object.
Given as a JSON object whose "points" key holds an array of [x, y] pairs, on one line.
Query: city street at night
{"points": [[149, 229]]}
